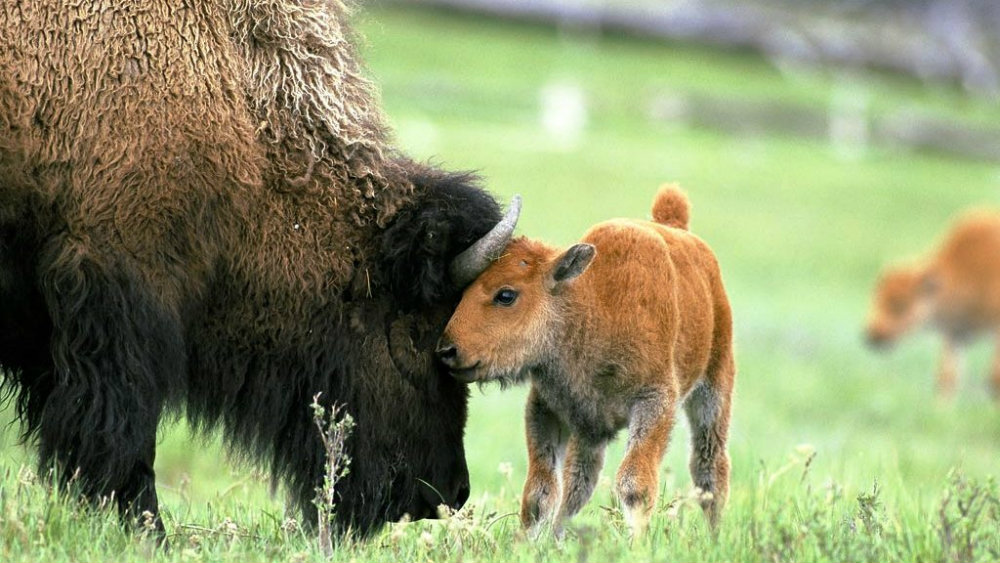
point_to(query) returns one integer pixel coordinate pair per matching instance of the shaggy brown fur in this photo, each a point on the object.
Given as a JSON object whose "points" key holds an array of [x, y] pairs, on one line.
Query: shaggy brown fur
{"points": [[956, 290], [200, 209], [280, 73], [614, 333]]}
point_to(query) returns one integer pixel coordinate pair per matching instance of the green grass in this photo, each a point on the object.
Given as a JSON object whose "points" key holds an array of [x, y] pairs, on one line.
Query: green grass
{"points": [[801, 234]]}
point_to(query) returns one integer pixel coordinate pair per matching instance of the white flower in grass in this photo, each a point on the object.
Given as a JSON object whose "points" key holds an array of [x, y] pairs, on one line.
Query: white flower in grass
{"points": [[506, 469]]}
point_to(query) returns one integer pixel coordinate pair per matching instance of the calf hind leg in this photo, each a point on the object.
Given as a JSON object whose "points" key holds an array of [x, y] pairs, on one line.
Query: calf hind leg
{"points": [[707, 408]]}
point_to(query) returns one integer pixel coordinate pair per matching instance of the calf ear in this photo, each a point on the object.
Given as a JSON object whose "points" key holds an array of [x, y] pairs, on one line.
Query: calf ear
{"points": [[572, 263], [930, 283]]}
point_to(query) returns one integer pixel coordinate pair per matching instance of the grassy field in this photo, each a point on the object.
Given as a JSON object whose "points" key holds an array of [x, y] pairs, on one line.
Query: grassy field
{"points": [[838, 454]]}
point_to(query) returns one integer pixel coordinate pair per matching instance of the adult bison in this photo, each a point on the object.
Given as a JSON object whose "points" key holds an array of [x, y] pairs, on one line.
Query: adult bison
{"points": [[200, 211]]}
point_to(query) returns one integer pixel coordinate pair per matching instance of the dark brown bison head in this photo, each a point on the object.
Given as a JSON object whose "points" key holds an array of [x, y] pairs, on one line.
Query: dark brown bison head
{"points": [[407, 454], [436, 247]]}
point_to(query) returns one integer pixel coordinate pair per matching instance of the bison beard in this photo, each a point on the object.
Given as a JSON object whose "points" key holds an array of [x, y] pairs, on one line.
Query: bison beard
{"points": [[203, 216]]}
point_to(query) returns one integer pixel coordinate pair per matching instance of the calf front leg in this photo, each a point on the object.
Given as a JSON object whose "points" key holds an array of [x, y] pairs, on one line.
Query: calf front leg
{"points": [[581, 469], [948, 370], [638, 482], [546, 439]]}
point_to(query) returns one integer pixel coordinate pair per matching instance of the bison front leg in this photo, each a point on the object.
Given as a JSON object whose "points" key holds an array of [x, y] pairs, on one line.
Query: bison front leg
{"points": [[546, 439], [581, 469], [638, 481], [116, 351]]}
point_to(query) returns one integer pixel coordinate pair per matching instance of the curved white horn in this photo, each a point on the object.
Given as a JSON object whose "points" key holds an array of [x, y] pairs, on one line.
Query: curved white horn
{"points": [[473, 260]]}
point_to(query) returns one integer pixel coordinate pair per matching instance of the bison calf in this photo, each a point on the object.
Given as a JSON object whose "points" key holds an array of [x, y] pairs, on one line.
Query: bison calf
{"points": [[956, 291], [613, 333]]}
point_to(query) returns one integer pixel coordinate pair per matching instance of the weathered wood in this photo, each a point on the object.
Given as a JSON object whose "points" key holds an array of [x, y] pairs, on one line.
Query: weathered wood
{"points": [[943, 40]]}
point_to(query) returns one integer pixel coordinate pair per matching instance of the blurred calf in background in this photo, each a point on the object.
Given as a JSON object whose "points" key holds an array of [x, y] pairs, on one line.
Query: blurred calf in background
{"points": [[956, 290]]}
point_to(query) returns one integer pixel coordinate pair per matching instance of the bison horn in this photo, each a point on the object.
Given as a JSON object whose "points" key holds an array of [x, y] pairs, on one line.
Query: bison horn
{"points": [[473, 260]]}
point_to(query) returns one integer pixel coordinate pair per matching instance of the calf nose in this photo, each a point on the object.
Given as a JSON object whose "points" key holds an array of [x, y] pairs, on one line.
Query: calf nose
{"points": [[447, 353], [876, 340]]}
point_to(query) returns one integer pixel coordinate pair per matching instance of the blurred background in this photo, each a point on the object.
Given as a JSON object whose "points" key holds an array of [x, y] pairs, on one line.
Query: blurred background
{"points": [[817, 139]]}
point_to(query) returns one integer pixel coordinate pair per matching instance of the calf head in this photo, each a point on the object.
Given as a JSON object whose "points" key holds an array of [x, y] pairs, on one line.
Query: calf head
{"points": [[903, 299], [509, 318]]}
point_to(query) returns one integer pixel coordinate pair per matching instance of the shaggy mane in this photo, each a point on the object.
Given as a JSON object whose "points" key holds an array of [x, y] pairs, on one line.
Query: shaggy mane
{"points": [[317, 112]]}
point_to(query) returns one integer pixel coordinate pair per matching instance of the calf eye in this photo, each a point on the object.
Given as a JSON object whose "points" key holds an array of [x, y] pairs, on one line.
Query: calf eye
{"points": [[505, 297]]}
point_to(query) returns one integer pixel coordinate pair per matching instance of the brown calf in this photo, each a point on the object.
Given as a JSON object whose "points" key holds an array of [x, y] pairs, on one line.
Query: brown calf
{"points": [[956, 291], [613, 333]]}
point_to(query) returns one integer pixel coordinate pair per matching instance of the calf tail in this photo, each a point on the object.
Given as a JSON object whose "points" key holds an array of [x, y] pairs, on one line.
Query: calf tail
{"points": [[671, 207]]}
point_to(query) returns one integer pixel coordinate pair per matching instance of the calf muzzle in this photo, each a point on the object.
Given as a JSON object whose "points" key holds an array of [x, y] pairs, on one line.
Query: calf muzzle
{"points": [[448, 354]]}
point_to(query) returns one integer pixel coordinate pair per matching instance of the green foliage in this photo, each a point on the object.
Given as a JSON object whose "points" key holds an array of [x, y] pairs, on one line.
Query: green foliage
{"points": [[838, 454], [968, 520], [785, 517], [333, 429]]}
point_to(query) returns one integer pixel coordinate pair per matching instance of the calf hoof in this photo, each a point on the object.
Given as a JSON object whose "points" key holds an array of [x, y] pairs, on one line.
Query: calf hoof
{"points": [[637, 505], [536, 509]]}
